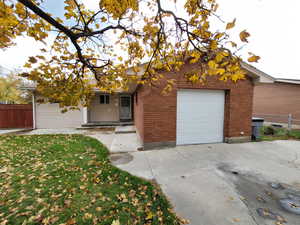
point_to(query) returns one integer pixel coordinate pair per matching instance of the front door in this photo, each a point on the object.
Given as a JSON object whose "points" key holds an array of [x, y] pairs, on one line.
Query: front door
{"points": [[125, 107]]}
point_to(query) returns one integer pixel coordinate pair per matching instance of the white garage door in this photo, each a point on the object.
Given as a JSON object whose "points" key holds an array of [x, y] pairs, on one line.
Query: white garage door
{"points": [[50, 116], [200, 116]]}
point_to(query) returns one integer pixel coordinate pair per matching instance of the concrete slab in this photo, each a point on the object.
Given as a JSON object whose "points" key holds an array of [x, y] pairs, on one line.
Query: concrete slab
{"points": [[105, 138], [121, 139], [128, 142], [169, 164], [204, 198], [198, 178], [141, 164]]}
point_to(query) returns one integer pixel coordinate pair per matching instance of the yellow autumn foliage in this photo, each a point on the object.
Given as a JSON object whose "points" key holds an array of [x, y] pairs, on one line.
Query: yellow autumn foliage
{"points": [[142, 37]]}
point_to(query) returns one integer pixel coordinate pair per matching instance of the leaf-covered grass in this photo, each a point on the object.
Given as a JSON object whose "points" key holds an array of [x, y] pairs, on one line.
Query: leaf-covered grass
{"points": [[68, 179]]}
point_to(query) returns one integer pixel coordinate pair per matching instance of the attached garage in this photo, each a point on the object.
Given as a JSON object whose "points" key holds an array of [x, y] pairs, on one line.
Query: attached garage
{"points": [[200, 116], [212, 111], [50, 116]]}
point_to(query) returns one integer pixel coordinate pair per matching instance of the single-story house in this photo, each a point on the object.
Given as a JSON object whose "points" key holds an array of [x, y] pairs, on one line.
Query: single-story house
{"points": [[274, 99], [213, 112]]}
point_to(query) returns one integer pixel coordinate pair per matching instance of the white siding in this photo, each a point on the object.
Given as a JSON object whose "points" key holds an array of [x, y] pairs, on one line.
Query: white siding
{"points": [[104, 112], [200, 116], [50, 116]]}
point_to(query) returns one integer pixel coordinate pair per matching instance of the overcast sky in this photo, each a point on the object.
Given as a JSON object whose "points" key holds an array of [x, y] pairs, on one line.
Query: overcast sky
{"points": [[274, 28]]}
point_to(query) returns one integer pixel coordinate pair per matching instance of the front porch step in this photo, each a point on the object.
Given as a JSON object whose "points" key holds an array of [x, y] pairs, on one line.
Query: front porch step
{"points": [[125, 129], [107, 124]]}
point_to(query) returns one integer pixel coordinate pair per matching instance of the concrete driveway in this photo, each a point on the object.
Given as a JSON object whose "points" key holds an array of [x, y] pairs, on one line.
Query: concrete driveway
{"points": [[222, 184]]}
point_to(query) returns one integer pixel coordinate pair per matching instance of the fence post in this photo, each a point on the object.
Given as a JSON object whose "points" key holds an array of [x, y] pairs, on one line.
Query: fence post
{"points": [[290, 119]]}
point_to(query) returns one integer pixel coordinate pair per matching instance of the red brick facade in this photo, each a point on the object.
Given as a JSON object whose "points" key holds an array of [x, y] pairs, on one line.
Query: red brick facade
{"points": [[277, 99], [155, 114]]}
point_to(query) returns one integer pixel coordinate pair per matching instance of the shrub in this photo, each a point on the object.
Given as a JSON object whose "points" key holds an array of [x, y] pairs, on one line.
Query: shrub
{"points": [[295, 134], [281, 131], [268, 130]]}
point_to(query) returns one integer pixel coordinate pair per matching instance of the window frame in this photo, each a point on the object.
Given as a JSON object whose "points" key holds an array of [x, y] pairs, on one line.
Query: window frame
{"points": [[106, 99]]}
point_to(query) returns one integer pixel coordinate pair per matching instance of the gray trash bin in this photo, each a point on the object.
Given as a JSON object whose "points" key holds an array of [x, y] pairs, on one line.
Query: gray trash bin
{"points": [[257, 123]]}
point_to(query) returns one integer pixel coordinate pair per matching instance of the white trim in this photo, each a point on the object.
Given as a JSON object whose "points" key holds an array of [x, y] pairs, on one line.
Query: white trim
{"points": [[258, 75], [33, 111], [85, 115]]}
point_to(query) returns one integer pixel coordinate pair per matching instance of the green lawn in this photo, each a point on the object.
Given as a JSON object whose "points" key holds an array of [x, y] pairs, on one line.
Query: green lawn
{"points": [[279, 134], [68, 179]]}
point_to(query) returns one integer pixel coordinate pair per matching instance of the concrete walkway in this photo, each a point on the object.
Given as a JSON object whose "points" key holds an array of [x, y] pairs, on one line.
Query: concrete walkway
{"points": [[219, 184], [55, 131], [122, 139], [11, 131]]}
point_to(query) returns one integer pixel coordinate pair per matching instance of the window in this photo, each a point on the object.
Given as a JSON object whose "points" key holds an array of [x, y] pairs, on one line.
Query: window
{"points": [[104, 99], [125, 101]]}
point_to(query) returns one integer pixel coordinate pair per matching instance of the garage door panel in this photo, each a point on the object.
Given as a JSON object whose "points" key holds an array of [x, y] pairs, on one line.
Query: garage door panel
{"points": [[49, 116], [200, 116]]}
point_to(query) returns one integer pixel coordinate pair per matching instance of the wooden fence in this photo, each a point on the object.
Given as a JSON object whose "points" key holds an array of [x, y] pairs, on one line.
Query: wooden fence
{"points": [[16, 116]]}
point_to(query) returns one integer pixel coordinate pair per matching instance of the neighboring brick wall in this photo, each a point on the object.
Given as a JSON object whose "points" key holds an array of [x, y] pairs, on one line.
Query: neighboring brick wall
{"points": [[159, 111], [277, 98]]}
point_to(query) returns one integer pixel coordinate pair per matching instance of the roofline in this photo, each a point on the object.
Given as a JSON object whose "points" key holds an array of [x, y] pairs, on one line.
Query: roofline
{"points": [[256, 71], [253, 70], [96, 90], [288, 81]]}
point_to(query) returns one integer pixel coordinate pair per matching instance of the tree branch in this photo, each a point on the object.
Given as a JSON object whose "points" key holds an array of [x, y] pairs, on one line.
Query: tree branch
{"points": [[102, 31], [29, 4], [73, 37]]}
